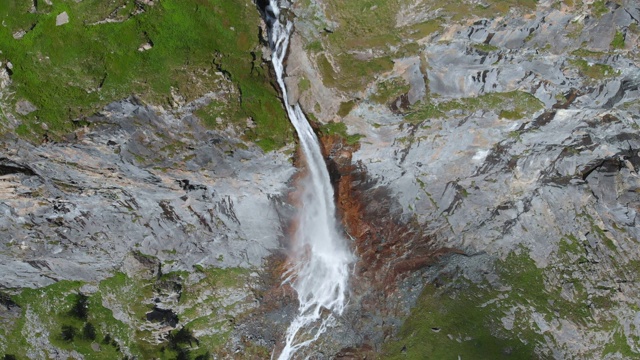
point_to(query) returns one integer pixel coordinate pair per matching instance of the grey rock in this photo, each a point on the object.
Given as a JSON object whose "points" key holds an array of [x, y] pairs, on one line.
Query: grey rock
{"points": [[409, 68], [62, 18], [25, 107], [116, 191]]}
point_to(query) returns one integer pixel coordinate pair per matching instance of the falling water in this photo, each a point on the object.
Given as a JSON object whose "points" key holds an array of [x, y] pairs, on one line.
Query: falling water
{"points": [[321, 259]]}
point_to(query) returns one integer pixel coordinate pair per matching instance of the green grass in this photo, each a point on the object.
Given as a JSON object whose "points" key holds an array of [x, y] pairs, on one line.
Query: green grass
{"points": [[345, 108], [599, 8], [512, 105], [619, 344], [352, 74], [486, 47], [618, 40], [304, 84], [51, 306], [340, 129], [314, 46], [70, 71], [464, 318], [365, 25], [389, 90], [584, 53], [594, 71], [440, 314], [423, 29]]}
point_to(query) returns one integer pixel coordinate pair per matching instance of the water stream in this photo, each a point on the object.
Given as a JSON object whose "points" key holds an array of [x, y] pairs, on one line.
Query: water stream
{"points": [[320, 258]]}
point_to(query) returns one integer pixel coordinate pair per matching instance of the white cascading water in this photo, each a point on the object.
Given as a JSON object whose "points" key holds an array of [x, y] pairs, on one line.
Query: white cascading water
{"points": [[321, 259]]}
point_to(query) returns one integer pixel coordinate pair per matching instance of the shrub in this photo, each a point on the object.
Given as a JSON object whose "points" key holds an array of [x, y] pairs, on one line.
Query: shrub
{"points": [[80, 308], [68, 333], [89, 331]]}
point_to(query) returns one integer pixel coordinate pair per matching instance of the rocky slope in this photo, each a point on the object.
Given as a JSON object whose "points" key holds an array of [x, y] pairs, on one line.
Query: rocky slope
{"points": [[485, 159]]}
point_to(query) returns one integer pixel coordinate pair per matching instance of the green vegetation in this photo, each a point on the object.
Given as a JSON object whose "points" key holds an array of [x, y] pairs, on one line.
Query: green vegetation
{"points": [[584, 53], [599, 8], [345, 108], [510, 105], [465, 323], [352, 74], [594, 71], [314, 46], [424, 29], [618, 344], [389, 90], [81, 322], [70, 71], [340, 129], [467, 319], [458, 10], [367, 37], [486, 47], [67, 316], [618, 40], [304, 84]]}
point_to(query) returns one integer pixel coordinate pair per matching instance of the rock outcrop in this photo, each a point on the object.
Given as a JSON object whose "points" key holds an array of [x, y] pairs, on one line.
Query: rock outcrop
{"points": [[138, 179]]}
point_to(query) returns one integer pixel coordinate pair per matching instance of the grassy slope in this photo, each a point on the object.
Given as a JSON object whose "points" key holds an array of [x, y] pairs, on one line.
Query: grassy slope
{"points": [[50, 308], [70, 71]]}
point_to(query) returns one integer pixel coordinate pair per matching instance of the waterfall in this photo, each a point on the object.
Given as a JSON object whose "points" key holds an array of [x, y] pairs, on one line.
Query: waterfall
{"points": [[321, 259]]}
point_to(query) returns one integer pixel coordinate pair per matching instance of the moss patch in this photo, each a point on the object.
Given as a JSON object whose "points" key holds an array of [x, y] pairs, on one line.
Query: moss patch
{"points": [[594, 71], [599, 8], [618, 40], [512, 105], [340, 129], [389, 90]]}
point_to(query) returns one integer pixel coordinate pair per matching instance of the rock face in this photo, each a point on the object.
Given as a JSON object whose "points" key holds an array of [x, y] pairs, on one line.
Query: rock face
{"points": [[139, 179], [518, 135]]}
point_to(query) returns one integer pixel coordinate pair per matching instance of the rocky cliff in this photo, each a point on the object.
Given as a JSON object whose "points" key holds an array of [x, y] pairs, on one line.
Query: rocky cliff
{"points": [[484, 156]]}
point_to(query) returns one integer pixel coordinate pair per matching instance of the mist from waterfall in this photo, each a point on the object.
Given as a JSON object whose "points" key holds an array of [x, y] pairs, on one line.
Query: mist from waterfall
{"points": [[320, 257]]}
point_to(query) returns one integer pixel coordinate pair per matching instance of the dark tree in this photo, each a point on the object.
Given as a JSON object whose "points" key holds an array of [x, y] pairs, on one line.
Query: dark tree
{"points": [[68, 333], [10, 357], [183, 336], [80, 308], [107, 339], [183, 354], [205, 356], [89, 331]]}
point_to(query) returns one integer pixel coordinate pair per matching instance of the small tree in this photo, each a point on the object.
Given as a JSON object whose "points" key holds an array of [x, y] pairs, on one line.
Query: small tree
{"points": [[205, 356], [89, 331], [80, 308], [68, 333], [183, 336], [183, 354]]}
